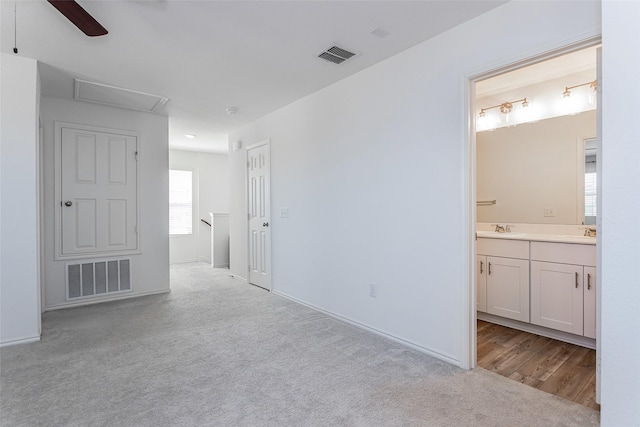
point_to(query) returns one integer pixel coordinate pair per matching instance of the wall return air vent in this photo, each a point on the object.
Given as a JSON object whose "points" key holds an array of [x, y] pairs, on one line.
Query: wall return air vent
{"points": [[336, 54]]}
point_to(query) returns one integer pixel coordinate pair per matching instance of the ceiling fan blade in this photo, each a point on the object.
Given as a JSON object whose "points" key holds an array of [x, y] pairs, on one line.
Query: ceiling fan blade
{"points": [[79, 17]]}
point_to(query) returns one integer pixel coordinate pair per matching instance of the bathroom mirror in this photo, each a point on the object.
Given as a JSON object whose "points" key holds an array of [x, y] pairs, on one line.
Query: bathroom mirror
{"points": [[538, 172], [535, 143]]}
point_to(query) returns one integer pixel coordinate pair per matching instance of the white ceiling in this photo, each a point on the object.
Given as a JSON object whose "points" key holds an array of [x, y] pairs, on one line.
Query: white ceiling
{"points": [[206, 56]]}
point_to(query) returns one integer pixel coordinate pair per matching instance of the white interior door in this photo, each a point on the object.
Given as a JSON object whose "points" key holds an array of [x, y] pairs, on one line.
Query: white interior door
{"points": [[259, 208], [98, 192], [598, 215]]}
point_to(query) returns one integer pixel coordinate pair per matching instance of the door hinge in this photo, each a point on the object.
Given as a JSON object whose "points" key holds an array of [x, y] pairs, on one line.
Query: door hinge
{"points": [[136, 155], [135, 229]]}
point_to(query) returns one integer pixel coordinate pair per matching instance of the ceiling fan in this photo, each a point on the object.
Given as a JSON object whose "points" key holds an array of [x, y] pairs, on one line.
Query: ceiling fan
{"points": [[79, 17]]}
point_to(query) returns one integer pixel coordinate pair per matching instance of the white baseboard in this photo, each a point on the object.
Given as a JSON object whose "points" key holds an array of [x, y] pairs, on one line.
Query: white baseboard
{"points": [[183, 261], [539, 330], [407, 343], [99, 301], [17, 341], [221, 265]]}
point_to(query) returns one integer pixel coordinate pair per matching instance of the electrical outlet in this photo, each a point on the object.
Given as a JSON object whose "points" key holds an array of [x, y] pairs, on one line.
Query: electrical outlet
{"points": [[373, 290], [549, 212]]}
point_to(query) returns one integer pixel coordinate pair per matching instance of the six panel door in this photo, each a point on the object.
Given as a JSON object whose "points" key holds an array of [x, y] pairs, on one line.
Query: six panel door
{"points": [[258, 193], [99, 192]]}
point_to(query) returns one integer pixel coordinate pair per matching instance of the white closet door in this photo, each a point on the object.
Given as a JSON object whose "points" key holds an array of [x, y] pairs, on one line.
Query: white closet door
{"points": [[98, 192], [258, 191]]}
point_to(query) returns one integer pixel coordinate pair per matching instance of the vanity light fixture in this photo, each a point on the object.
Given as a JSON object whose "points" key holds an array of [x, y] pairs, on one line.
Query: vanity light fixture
{"points": [[505, 107], [567, 90]]}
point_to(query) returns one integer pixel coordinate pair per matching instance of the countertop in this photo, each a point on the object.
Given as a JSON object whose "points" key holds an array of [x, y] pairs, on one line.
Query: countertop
{"points": [[534, 237]]}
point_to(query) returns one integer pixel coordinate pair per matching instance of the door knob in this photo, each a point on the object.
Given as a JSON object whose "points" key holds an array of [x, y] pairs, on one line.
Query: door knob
{"points": [[68, 203], [265, 224]]}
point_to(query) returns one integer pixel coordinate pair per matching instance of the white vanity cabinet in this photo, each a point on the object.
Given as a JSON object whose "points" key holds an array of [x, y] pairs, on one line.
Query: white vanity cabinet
{"points": [[502, 268], [590, 302], [481, 283], [563, 287]]}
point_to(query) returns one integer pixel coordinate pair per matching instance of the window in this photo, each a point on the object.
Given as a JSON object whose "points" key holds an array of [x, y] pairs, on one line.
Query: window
{"points": [[590, 198], [590, 181], [180, 202]]}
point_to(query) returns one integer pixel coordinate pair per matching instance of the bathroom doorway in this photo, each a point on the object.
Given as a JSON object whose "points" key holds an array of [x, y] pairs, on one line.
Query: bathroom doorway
{"points": [[535, 133]]}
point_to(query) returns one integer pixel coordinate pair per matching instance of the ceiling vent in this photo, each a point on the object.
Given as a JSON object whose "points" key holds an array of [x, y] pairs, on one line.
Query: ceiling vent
{"points": [[336, 54], [112, 96]]}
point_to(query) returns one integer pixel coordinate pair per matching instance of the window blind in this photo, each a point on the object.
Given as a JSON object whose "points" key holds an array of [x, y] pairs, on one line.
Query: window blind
{"points": [[180, 202]]}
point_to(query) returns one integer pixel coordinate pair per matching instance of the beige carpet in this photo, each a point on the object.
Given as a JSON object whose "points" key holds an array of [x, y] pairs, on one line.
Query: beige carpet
{"points": [[217, 351]]}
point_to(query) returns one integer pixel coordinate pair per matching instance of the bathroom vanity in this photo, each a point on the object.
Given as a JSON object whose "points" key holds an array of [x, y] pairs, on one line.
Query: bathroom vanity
{"points": [[540, 283]]}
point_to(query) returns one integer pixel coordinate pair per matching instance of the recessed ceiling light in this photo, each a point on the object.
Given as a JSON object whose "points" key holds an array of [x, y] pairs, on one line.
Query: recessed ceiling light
{"points": [[379, 32], [232, 110], [189, 135]]}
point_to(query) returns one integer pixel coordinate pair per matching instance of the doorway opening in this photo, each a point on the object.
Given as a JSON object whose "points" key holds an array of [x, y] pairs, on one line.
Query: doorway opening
{"points": [[535, 238]]}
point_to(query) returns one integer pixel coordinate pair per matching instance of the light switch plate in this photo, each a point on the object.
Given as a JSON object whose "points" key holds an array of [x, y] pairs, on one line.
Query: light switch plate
{"points": [[284, 212], [549, 212], [373, 290]]}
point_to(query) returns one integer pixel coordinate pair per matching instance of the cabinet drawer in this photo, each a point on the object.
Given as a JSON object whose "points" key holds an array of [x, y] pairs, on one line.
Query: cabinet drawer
{"points": [[503, 248], [563, 253]]}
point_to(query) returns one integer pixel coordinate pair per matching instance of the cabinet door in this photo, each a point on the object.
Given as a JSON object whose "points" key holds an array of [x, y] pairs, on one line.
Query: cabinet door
{"points": [[557, 296], [508, 288], [481, 283], [589, 283]]}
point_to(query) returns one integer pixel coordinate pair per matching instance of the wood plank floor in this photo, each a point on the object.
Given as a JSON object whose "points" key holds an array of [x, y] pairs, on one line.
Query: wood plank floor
{"points": [[553, 366]]}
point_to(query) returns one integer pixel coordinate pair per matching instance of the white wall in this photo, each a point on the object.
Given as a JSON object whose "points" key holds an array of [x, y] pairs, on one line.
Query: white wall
{"points": [[210, 194], [150, 269], [373, 171], [213, 189], [620, 224], [19, 245], [533, 166]]}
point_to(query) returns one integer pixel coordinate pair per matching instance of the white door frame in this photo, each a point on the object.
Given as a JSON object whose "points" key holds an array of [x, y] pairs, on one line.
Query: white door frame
{"points": [[468, 358], [266, 142]]}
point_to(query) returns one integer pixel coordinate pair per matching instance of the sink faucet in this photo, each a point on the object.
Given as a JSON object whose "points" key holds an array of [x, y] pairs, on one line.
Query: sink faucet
{"points": [[499, 228], [590, 232]]}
